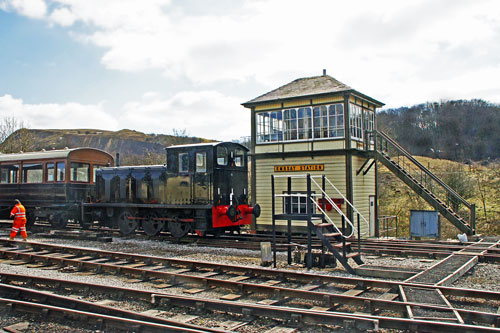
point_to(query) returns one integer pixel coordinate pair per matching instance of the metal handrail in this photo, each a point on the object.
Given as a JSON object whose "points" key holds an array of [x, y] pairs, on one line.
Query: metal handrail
{"points": [[421, 168], [327, 197], [330, 220], [345, 199]]}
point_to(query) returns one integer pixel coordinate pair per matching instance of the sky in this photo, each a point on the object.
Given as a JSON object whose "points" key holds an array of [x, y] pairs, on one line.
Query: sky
{"points": [[159, 65]]}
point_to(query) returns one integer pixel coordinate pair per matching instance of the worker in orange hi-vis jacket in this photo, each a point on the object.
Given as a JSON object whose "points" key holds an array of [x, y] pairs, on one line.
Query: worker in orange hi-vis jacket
{"points": [[19, 224]]}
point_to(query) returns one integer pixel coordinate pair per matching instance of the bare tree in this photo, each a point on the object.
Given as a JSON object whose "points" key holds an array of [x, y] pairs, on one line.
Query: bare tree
{"points": [[179, 136], [481, 178], [15, 136]]}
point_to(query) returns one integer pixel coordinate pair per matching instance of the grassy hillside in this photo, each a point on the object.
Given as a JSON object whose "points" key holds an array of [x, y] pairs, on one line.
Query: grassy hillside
{"points": [[477, 183], [134, 147]]}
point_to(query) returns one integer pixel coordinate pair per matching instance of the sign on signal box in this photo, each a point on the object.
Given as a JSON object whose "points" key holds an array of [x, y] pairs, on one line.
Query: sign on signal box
{"points": [[299, 168]]}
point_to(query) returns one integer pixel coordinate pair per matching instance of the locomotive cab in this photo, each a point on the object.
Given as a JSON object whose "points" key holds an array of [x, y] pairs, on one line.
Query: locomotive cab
{"points": [[215, 174]]}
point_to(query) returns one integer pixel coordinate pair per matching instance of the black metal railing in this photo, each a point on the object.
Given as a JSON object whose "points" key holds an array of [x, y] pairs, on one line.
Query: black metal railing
{"points": [[383, 144]]}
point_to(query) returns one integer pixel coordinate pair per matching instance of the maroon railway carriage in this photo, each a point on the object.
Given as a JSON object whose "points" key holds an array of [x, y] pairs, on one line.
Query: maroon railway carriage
{"points": [[51, 184]]}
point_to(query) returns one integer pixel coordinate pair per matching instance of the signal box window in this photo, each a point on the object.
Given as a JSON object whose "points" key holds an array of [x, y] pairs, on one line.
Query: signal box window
{"points": [[80, 172], [201, 162], [221, 155], [32, 173], [298, 204], [60, 171], [239, 158], [50, 172], [9, 174], [183, 162]]}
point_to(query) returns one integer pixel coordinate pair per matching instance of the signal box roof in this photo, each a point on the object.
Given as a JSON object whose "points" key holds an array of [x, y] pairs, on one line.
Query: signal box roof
{"points": [[308, 87]]}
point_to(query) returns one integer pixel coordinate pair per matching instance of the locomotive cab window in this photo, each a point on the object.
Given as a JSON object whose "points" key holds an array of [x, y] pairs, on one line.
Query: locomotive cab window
{"points": [[9, 174], [239, 158], [50, 172], [222, 155], [33, 173], [60, 171], [183, 162], [201, 162], [80, 172]]}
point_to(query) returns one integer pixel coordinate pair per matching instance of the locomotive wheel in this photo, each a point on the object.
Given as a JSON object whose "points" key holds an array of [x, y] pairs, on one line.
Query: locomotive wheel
{"points": [[85, 225], [150, 226], [59, 221], [127, 226], [178, 229], [30, 219]]}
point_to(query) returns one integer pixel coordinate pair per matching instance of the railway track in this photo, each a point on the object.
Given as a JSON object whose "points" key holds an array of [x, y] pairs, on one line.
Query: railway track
{"points": [[298, 297], [397, 248], [380, 247]]}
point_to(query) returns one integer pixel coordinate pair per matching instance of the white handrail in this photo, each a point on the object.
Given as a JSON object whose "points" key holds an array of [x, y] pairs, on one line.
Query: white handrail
{"points": [[340, 193], [331, 222]]}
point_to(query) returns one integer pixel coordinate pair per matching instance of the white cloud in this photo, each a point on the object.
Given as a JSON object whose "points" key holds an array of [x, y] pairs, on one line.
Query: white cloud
{"points": [[397, 52], [276, 40], [207, 114], [63, 17], [30, 8], [51, 115]]}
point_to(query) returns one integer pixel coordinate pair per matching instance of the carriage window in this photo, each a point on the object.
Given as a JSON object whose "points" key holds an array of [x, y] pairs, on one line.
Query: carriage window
{"points": [[80, 172], [221, 155], [50, 172], [32, 173], [60, 171], [239, 158], [201, 162], [9, 174], [183, 162]]}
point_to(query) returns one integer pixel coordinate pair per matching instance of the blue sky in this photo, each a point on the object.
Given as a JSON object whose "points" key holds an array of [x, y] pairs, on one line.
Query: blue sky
{"points": [[156, 65]]}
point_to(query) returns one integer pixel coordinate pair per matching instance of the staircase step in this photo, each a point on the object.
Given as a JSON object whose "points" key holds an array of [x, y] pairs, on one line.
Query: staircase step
{"points": [[339, 245], [352, 255], [332, 234], [321, 225]]}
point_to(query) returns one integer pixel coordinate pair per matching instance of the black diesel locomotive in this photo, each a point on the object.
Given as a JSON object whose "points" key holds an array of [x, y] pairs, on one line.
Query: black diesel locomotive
{"points": [[203, 188]]}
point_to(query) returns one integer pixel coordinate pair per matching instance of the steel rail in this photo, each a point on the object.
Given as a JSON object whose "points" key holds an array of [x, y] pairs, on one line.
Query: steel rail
{"points": [[90, 318], [317, 279], [197, 303], [328, 299], [296, 315], [86, 306]]}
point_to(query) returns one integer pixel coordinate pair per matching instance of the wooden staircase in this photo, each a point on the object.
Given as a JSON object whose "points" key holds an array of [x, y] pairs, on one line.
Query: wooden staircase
{"points": [[423, 182]]}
